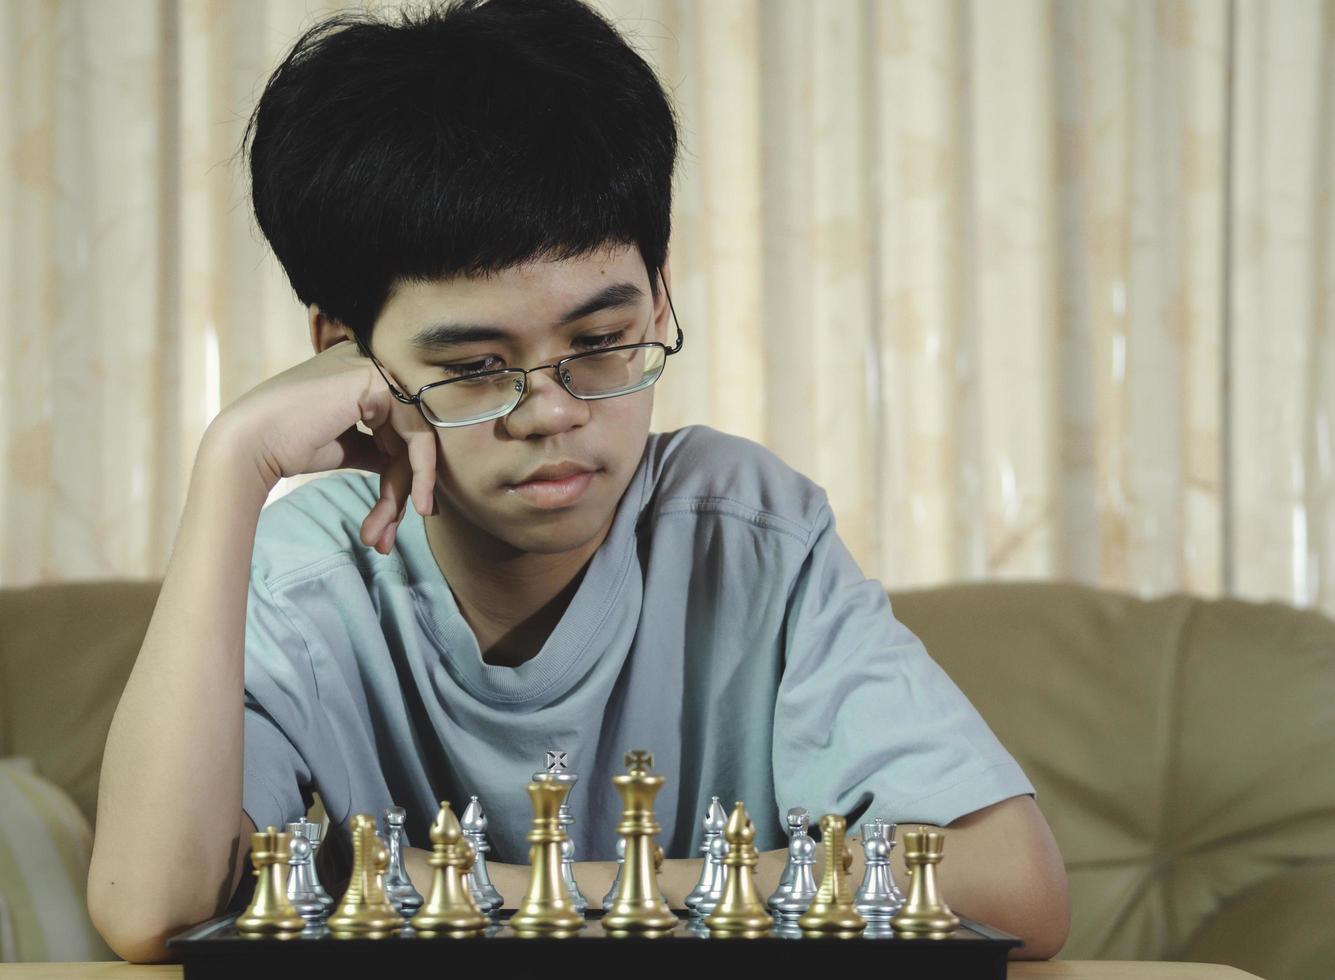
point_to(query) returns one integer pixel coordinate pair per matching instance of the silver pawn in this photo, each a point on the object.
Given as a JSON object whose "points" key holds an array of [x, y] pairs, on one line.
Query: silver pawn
{"points": [[718, 850], [611, 895], [798, 819], [474, 824], [789, 906], [398, 887], [879, 897], [555, 771], [299, 875], [715, 822], [314, 834]]}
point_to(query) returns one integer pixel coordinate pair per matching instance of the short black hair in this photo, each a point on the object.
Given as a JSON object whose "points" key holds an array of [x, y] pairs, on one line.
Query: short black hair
{"points": [[468, 138]]}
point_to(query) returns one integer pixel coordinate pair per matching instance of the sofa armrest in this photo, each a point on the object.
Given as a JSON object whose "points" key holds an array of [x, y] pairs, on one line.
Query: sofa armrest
{"points": [[1282, 928]]}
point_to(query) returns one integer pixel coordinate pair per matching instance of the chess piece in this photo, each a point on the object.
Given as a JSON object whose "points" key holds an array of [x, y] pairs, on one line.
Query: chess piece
{"points": [[740, 913], [711, 873], [366, 912], [398, 886], [638, 908], [300, 872], [546, 909], [718, 874], [924, 914], [797, 826], [789, 905], [555, 769], [831, 912], [270, 914], [450, 910], [309, 876], [878, 898], [474, 825], [611, 895]]}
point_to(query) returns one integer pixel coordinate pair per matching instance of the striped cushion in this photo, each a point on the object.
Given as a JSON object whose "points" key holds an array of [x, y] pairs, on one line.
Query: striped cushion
{"points": [[45, 845]]}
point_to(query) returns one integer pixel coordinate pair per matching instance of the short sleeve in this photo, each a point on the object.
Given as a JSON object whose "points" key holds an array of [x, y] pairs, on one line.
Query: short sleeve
{"points": [[865, 722], [281, 701]]}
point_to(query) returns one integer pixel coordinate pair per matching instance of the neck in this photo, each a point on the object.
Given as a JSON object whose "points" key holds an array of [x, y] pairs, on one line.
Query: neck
{"points": [[511, 599]]}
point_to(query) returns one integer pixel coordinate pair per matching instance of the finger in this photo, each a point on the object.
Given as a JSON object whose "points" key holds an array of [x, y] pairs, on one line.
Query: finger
{"points": [[422, 455], [395, 485], [351, 450]]}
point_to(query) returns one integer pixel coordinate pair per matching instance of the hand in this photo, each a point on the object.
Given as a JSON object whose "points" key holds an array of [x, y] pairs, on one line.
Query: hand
{"points": [[304, 420]]}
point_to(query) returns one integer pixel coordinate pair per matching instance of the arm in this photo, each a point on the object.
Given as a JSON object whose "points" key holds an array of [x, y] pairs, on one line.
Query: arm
{"points": [[159, 810]]}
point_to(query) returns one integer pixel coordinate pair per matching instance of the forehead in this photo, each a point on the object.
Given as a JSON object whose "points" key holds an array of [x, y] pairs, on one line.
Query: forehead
{"points": [[528, 299]]}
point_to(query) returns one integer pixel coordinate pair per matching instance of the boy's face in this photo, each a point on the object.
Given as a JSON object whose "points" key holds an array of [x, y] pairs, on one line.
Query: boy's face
{"points": [[479, 465]]}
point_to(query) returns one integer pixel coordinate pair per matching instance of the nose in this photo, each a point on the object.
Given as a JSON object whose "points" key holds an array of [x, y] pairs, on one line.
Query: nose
{"points": [[545, 408]]}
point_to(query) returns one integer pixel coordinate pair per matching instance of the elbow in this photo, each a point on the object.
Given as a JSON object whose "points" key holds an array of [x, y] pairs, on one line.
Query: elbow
{"points": [[131, 938], [135, 929], [1046, 922]]}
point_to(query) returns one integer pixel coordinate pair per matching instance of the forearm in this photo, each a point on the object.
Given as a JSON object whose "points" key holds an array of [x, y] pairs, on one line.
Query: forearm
{"points": [[160, 809]]}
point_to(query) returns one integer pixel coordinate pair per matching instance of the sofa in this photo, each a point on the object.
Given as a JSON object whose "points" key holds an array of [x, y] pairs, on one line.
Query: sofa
{"points": [[1183, 751]]}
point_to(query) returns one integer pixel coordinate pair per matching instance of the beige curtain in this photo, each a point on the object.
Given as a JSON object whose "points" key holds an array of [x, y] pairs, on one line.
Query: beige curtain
{"points": [[1033, 288]]}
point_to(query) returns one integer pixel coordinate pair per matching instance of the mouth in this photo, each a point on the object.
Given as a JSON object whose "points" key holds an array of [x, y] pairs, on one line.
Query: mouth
{"points": [[561, 490]]}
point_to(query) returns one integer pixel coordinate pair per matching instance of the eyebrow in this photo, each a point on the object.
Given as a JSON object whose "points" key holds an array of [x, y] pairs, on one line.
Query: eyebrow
{"points": [[444, 335]]}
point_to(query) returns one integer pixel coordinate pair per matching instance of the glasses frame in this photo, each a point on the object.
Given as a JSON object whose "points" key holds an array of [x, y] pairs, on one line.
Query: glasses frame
{"points": [[522, 375]]}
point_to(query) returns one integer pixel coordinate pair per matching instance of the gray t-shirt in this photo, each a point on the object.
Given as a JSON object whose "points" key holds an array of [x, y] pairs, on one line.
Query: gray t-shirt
{"points": [[722, 626]]}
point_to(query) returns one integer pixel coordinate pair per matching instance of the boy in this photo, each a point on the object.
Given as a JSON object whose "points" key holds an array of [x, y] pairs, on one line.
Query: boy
{"points": [[474, 205]]}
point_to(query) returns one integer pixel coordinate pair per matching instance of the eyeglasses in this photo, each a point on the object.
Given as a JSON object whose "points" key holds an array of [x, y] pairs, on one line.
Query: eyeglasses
{"points": [[485, 395]]}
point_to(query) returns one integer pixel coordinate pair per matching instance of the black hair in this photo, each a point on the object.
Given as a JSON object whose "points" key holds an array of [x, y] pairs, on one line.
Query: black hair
{"points": [[470, 137]]}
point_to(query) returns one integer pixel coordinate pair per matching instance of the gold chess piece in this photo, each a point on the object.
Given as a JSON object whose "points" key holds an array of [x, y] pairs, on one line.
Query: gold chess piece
{"points": [[270, 913], [547, 909], [639, 908], [450, 909], [740, 913], [831, 912], [924, 914], [366, 912]]}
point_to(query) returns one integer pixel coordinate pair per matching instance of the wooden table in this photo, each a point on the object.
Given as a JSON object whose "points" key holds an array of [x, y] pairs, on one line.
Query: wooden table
{"points": [[1019, 970]]}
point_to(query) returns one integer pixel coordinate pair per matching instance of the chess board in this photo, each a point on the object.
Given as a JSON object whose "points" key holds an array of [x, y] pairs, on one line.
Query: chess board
{"points": [[215, 950]]}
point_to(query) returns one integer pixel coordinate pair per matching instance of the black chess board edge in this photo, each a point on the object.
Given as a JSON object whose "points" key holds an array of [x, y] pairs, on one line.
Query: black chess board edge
{"points": [[214, 949]]}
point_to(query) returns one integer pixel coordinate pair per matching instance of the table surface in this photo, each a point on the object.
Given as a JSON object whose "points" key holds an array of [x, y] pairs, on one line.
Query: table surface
{"points": [[1018, 970]]}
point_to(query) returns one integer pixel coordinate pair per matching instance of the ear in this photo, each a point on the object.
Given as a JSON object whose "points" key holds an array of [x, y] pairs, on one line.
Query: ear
{"points": [[325, 333]]}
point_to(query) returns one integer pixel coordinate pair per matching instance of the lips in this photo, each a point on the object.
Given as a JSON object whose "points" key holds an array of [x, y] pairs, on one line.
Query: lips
{"points": [[556, 471]]}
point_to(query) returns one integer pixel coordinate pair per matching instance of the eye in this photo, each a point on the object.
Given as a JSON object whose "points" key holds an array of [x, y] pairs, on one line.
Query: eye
{"points": [[601, 340], [488, 363]]}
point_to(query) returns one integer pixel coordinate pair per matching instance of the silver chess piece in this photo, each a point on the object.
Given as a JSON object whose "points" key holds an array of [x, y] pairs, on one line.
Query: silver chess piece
{"points": [[711, 875], [879, 897], [474, 824], [300, 872], [314, 835], [611, 895], [398, 887], [555, 771], [788, 905], [798, 821], [718, 850]]}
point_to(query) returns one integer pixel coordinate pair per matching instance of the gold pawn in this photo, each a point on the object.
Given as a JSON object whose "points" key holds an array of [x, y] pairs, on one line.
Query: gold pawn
{"points": [[924, 914], [740, 914], [450, 910], [639, 908], [270, 913], [365, 912], [547, 909], [831, 912]]}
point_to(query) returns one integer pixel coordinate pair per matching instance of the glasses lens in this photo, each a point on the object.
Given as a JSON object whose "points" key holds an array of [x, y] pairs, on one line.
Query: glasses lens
{"points": [[615, 372], [473, 399]]}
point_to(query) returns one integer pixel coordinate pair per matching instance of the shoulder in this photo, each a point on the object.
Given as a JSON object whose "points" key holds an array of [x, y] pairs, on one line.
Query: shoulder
{"points": [[318, 522], [701, 470]]}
